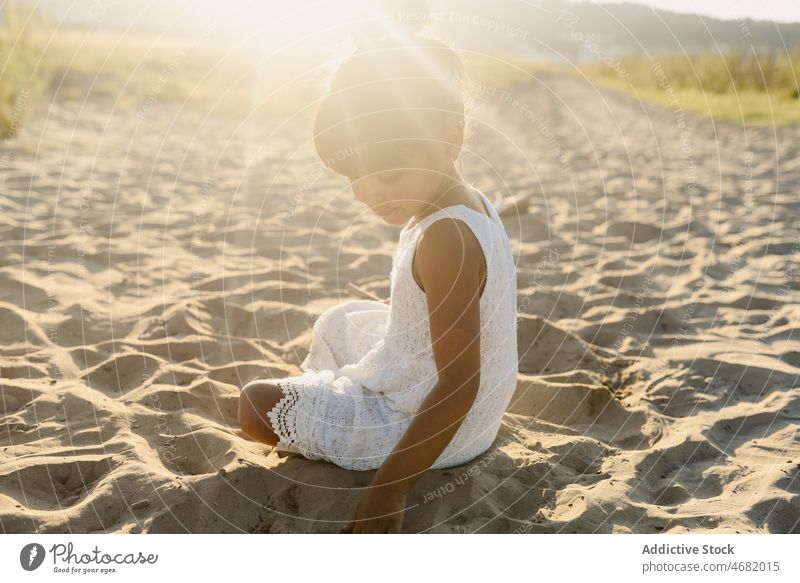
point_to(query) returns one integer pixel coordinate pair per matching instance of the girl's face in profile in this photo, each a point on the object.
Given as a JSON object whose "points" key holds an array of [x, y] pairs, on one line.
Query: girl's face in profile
{"points": [[398, 194]]}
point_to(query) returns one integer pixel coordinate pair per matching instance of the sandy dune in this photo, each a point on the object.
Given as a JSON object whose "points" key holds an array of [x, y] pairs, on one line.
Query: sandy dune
{"points": [[154, 262]]}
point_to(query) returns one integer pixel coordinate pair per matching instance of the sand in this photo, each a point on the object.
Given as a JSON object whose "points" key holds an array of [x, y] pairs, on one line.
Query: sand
{"points": [[155, 261]]}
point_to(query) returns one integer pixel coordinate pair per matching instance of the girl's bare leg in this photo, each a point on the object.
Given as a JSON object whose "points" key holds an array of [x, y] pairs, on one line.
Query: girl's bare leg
{"points": [[258, 397]]}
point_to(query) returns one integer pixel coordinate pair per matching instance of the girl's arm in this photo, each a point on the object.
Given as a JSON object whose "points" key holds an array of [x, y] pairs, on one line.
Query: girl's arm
{"points": [[449, 261]]}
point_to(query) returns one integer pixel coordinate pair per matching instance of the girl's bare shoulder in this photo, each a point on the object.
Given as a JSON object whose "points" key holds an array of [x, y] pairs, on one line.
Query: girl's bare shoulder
{"points": [[448, 249]]}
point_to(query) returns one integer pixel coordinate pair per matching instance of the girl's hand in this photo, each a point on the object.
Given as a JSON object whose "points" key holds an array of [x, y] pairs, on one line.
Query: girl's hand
{"points": [[380, 511]]}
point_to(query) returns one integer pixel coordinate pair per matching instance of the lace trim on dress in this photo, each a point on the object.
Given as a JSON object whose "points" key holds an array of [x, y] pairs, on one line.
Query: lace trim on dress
{"points": [[281, 417], [285, 420]]}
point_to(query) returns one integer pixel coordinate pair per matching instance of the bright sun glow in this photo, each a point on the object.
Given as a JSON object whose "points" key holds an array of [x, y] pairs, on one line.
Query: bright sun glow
{"points": [[309, 24]]}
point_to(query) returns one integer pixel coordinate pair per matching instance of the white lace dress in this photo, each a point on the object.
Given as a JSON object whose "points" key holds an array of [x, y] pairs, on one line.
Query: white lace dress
{"points": [[371, 365]]}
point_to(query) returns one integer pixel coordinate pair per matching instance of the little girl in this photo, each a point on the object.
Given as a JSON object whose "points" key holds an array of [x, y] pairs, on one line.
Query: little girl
{"points": [[421, 381]]}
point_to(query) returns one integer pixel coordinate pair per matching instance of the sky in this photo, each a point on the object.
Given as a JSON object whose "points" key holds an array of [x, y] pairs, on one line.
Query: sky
{"points": [[778, 10]]}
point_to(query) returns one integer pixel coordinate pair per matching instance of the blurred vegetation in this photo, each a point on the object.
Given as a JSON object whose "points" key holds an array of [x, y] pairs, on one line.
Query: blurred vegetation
{"points": [[761, 88], [137, 71], [502, 71], [23, 73]]}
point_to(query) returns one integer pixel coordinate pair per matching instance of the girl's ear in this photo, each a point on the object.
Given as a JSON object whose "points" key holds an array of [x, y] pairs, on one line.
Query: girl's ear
{"points": [[455, 139]]}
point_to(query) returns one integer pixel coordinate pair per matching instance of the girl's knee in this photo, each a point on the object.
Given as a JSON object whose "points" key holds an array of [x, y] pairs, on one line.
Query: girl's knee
{"points": [[255, 399]]}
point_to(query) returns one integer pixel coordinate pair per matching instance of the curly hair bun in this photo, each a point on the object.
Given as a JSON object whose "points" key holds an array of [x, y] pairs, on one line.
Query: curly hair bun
{"points": [[396, 89]]}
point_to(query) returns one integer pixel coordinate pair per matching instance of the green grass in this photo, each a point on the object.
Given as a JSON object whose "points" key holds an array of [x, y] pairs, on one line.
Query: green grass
{"points": [[134, 71], [733, 86], [501, 71], [23, 73], [141, 71], [138, 72]]}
